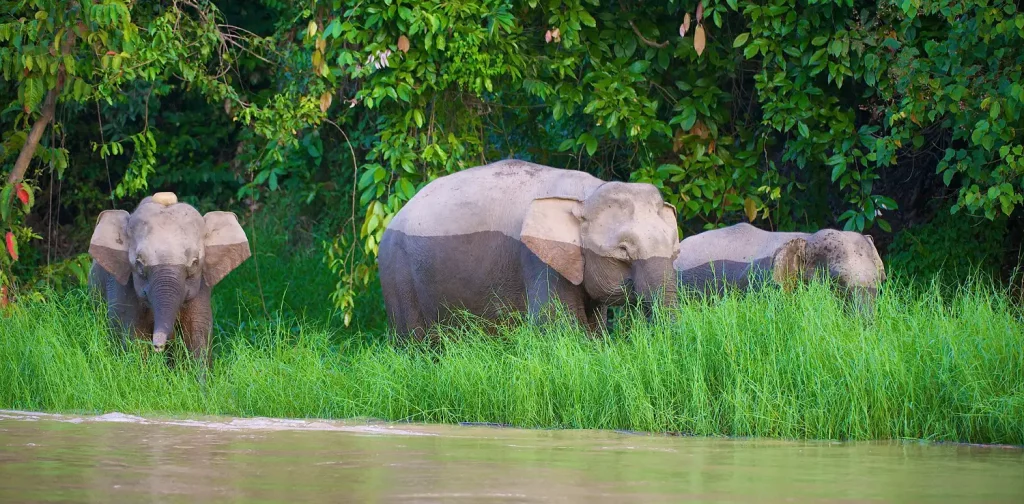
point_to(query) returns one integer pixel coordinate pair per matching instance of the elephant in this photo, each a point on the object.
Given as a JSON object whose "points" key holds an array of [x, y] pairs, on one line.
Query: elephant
{"points": [[512, 236], [742, 254], [157, 266]]}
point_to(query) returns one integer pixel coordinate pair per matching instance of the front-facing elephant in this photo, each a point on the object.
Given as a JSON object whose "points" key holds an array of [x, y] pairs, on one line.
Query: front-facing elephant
{"points": [[742, 254], [157, 266], [511, 236]]}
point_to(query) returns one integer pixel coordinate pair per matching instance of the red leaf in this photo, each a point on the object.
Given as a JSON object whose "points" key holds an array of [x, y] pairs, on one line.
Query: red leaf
{"points": [[12, 245], [21, 192], [700, 11]]}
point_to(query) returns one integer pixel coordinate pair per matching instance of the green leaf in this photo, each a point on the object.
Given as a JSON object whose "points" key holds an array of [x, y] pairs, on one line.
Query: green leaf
{"points": [[804, 131], [689, 118], [882, 223], [639, 66], [366, 178], [5, 202], [750, 51], [947, 177], [885, 202], [408, 190], [837, 171], [587, 19], [740, 39], [819, 40], [333, 28], [589, 141]]}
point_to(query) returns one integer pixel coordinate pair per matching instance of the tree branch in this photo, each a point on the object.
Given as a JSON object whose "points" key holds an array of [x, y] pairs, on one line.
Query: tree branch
{"points": [[659, 45], [29, 149]]}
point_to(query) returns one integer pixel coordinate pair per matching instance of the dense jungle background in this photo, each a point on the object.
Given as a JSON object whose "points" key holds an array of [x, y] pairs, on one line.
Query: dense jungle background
{"points": [[315, 121]]}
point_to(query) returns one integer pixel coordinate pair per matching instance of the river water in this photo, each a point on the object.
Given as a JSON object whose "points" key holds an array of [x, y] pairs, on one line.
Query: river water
{"points": [[121, 458]]}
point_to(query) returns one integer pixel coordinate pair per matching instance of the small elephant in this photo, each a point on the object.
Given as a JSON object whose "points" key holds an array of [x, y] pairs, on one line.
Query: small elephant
{"points": [[741, 254], [157, 266], [511, 236]]}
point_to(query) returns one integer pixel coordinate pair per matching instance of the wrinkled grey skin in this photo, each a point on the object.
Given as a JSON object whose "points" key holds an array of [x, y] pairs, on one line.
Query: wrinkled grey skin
{"points": [[157, 266], [741, 255], [512, 236]]}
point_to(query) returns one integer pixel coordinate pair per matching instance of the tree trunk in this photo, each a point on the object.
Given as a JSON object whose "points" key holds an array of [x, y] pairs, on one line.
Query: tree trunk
{"points": [[29, 149]]}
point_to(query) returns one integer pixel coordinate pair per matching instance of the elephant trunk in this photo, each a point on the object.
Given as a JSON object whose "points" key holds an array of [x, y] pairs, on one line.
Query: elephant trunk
{"points": [[166, 293], [864, 300], [654, 281]]}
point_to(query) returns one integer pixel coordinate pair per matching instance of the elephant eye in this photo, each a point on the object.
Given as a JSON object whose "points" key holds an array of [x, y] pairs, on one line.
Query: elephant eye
{"points": [[193, 266], [623, 249], [140, 267]]}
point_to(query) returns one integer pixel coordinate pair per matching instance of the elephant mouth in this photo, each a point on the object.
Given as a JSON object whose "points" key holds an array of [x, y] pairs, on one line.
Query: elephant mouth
{"points": [[159, 342]]}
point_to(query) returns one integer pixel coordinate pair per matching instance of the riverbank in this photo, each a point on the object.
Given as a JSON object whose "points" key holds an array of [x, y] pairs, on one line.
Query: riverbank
{"points": [[765, 365]]}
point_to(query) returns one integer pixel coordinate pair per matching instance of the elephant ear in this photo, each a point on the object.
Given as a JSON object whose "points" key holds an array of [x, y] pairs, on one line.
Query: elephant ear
{"points": [[226, 246], [551, 230], [668, 214], [788, 262], [109, 244]]}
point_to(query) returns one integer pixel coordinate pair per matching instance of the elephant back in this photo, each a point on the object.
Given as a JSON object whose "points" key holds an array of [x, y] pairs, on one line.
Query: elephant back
{"points": [[488, 198]]}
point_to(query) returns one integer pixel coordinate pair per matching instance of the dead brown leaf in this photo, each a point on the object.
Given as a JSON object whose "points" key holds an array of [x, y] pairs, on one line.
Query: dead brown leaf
{"points": [[699, 129], [403, 44], [750, 208], [698, 39], [685, 27], [325, 101]]}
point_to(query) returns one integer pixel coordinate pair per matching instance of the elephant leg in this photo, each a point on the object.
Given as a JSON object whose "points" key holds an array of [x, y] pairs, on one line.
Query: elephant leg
{"points": [[196, 320], [125, 314], [402, 293], [597, 318], [403, 305], [544, 286]]}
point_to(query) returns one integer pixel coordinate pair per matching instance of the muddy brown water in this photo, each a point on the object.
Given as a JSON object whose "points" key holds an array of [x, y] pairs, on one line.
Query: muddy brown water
{"points": [[122, 458]]}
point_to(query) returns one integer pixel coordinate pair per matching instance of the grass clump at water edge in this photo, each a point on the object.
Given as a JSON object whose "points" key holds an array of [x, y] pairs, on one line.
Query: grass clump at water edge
{"points": [[762, 364]]}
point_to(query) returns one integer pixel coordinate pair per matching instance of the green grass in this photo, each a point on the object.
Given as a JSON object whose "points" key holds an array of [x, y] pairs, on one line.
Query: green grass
{"points": [[763, 364]]}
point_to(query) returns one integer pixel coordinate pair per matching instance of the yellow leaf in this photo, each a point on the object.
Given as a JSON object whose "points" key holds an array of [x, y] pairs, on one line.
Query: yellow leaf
{"points": [[311, 29], [750, 208], [325, 101], [403, 44], [321, 45], [698, 39]]}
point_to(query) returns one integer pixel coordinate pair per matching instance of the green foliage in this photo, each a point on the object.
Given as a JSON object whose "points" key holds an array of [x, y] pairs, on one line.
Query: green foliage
{"points": [[766, 364], [785, 114], [75, 53], [950, 245], [779, 114]]}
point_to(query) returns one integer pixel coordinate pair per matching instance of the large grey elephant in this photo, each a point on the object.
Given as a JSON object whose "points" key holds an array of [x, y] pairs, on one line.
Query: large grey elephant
{"points": [[157, 266], [511, 236], [742, 254]]}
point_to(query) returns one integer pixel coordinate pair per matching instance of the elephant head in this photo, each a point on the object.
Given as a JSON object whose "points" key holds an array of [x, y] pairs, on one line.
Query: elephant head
{"points": [[849, 258], [169, 252], [618, 241]]}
